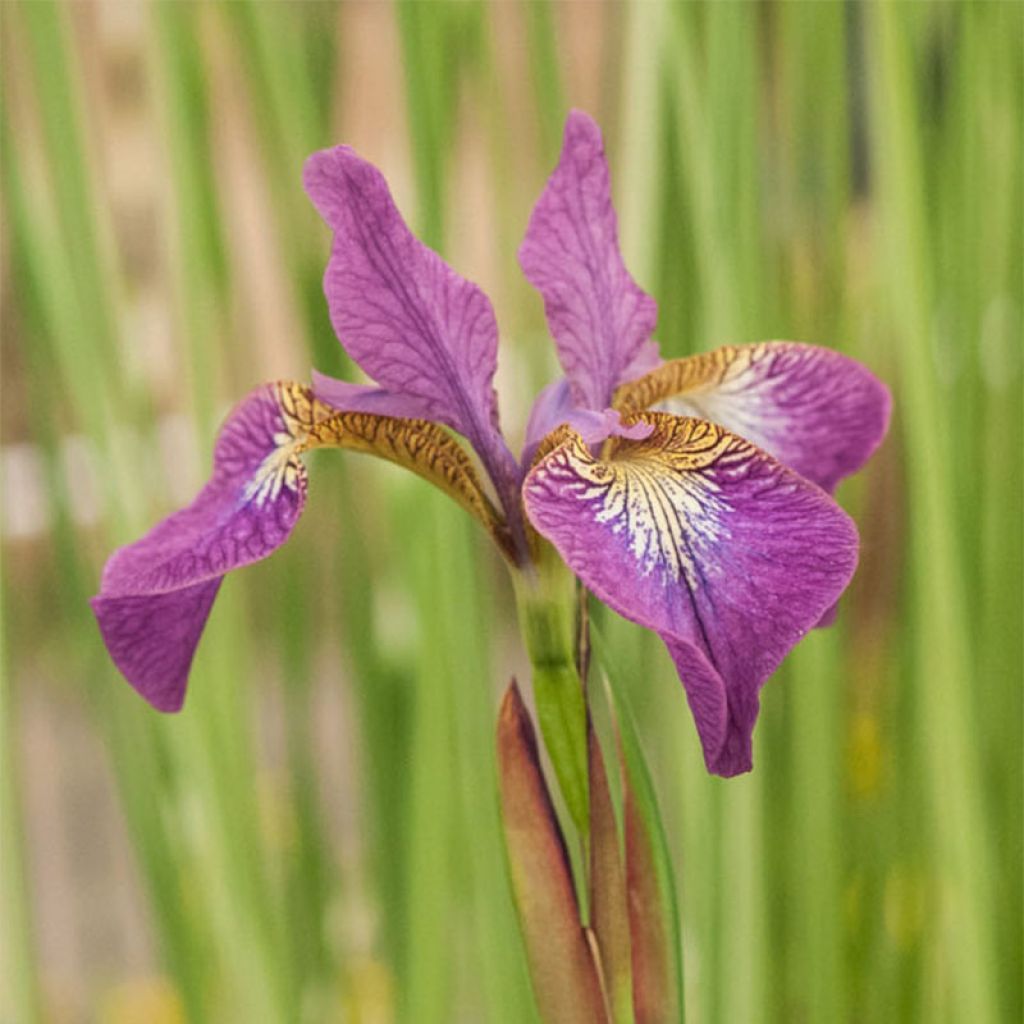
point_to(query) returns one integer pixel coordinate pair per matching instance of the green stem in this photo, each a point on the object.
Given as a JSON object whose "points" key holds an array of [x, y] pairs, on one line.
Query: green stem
{"points": [[546, 598]]}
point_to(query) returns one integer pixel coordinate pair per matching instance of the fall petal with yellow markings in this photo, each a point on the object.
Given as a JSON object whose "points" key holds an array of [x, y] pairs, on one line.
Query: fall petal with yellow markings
{"points": [[156, 594], [697, 534], [817, 411], [417, 445]]}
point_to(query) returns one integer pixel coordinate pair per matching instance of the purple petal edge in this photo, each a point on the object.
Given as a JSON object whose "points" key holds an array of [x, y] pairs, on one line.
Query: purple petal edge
{"points": [[601, 319], [156, 594], [816, 410], [421, 331], [647, 358], [347, 397], [728, 555], [152, 638]]}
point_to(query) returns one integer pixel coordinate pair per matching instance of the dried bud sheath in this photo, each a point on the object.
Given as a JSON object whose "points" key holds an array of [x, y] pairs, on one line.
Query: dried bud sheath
{"points": [[564, 976]]}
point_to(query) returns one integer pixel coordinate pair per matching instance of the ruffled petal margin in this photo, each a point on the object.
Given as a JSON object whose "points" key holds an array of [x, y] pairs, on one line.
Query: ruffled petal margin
{"points": [[695, 533]]}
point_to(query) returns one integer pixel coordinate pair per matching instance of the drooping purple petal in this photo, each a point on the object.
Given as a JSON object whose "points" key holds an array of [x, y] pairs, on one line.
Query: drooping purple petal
{"points": [[156, 594], [700, 536], [554, 407], [601, 319], [818, 411], [421, 331], [152, 638]]}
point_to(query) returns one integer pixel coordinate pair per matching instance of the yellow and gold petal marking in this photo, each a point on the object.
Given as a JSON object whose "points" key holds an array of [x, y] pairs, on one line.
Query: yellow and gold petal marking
{"points": [[304, 423], [418, 445], [652, 490], [292, 410], [689, 375], [816, 410]]}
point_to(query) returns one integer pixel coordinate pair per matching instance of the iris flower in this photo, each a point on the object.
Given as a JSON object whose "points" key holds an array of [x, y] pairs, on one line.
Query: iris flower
{"points": [[712, 524]]}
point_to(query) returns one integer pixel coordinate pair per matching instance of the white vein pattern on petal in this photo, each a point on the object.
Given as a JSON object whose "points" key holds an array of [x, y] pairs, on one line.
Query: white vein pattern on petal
{"points": [[774, 393], [663, 513], [280, 467]]}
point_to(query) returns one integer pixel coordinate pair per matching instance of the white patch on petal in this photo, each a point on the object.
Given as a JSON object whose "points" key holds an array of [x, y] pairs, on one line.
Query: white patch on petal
{"points": [[280, 468], [663, 513]]}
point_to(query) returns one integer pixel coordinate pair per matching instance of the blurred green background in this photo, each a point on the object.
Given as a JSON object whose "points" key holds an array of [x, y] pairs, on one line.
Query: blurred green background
{"points": [[315, 837]]}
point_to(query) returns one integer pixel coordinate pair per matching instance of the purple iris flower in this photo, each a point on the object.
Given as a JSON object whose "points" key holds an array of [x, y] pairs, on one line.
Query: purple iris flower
{"points": [[712, 524]]}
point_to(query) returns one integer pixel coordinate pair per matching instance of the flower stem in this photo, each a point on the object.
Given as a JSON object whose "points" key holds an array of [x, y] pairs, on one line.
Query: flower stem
{"points": [[546, 599]]}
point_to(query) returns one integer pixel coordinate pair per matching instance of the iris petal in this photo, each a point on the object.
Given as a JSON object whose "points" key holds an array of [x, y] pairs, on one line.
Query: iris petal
{"points": [[156, 594], [343, 395], [408, 319], [816, 410], [152, 637], [420, 446], [600, 318], [695, 533]]}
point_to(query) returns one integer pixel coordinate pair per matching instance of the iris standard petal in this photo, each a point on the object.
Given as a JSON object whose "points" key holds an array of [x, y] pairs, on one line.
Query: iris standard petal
{"points": [[156, 594], [818, 411], [695, 533], [600, 318], [407, 318]]}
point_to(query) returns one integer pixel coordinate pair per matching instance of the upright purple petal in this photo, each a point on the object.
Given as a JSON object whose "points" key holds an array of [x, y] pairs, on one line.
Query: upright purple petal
{"points": [[421, 331], [601, 319], [816, 410], [156, 594], [700, 536]]}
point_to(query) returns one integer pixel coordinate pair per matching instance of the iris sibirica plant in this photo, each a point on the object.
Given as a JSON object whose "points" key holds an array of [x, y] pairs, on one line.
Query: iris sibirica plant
{"points": [[692, 496], [712, 524]]}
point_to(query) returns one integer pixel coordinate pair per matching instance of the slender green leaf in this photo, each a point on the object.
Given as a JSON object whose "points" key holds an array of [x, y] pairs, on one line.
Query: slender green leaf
{"points": [[653, 910], [609, 913]]}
